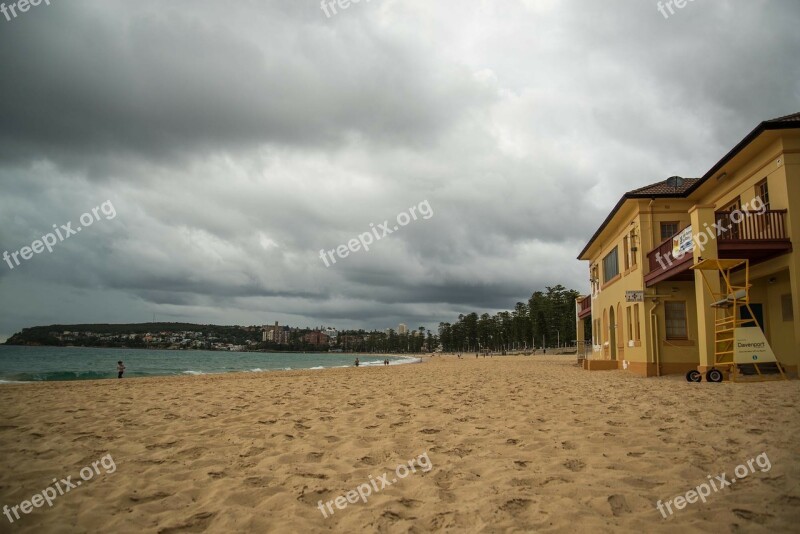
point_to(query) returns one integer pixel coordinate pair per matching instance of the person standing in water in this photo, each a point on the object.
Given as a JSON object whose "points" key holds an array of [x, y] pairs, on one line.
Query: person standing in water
{"points": [[357, 362], [120, 369]]}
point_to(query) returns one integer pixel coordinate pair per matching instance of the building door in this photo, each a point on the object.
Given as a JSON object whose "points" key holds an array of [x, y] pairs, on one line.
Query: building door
{"points": [[612, 327], [758, 311]]}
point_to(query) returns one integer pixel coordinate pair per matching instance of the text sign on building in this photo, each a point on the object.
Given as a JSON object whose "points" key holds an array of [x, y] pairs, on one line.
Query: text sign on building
{"points": [[634, 296], [750, 346], [682, 243]]}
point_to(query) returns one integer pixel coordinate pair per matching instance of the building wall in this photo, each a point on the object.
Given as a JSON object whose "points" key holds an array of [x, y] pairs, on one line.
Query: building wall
{"points": [[611, 294]]}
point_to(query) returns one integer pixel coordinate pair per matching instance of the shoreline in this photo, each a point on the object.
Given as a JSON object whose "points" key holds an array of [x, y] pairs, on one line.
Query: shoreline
{"points": [[403, 360]]}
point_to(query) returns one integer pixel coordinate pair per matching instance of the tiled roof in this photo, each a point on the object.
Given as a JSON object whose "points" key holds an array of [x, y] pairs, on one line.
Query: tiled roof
{"points": [[665, 187], [794, 117]]}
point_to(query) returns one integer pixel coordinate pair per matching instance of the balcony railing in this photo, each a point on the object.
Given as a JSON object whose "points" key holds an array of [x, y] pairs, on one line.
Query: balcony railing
{"points": [[752, 226], [757, 236], [661, 257], [585, 307]]}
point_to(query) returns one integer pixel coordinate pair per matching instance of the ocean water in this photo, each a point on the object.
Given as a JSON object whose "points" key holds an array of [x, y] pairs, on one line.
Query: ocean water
{"points": [[36, 364]]}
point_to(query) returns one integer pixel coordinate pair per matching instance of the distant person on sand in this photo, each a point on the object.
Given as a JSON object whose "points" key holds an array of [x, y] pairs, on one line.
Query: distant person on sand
{"points": [[120, 369], [357, 362]]}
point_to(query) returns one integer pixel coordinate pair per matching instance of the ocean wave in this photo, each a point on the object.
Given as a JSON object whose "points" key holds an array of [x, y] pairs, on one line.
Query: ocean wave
{"points": [[58, 376], [194, 373]]}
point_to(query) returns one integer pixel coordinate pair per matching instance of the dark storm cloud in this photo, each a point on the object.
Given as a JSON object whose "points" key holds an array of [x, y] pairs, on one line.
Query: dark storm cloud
{"points": [[236, 140], [86, 78]]}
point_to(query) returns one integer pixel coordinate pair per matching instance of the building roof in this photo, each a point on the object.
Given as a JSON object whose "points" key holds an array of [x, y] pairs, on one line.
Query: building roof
{"points": [[687, 186], [664, 189], [794, 117], [669, 187]]}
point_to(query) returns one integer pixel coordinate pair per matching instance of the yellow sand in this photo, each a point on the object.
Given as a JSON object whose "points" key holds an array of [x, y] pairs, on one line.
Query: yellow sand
{"points": [[515, 443]]}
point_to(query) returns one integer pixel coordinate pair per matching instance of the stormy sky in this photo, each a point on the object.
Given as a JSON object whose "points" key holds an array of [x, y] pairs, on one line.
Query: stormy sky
{"points": [[235, 140]]}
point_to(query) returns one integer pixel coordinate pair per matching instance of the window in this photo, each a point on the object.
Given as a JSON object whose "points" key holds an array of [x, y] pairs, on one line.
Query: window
{"points": [[637, 332], [626, 253], [668, 229], [734, 205], [630, 324], [610, 266], [675, 318], [762, 192], [633, 248], [726, 221], [786, 308]]}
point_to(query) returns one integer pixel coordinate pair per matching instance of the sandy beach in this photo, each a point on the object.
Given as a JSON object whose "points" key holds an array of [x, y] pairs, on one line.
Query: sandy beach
{"points": [[514, 444]]}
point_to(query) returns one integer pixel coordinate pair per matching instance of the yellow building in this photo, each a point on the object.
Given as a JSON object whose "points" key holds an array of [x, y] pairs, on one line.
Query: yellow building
{"points": [[649, 310]]}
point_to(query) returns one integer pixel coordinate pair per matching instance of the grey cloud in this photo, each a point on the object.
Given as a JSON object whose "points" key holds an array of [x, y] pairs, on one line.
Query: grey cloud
{"points": [[236, 140]]}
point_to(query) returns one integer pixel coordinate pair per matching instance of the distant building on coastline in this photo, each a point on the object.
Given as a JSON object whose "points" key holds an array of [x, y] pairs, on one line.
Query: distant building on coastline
{"points": [[331, 332], [402, 329], [275, 334], [316, 338]]}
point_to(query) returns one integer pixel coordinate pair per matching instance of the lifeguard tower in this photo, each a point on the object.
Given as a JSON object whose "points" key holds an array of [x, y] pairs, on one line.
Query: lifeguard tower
{"points": [[740, 347]]}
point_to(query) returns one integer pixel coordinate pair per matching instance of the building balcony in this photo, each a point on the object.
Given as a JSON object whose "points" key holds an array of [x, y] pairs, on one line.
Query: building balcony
{"points": [[665, 266], [756, 236], [585, 307], [742, 235]]}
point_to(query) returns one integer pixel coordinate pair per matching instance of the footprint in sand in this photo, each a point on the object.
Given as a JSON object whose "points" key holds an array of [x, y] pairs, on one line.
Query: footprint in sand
{"points": [[618, 505], [515, 505], [408, 503], [196, 523], [752, 516], [165, 445], [574, 465], [259, 482], [142, 499]]}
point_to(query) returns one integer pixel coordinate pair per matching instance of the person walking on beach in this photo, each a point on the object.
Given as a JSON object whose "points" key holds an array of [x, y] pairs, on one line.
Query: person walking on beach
{"points": [[120, 369]]}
